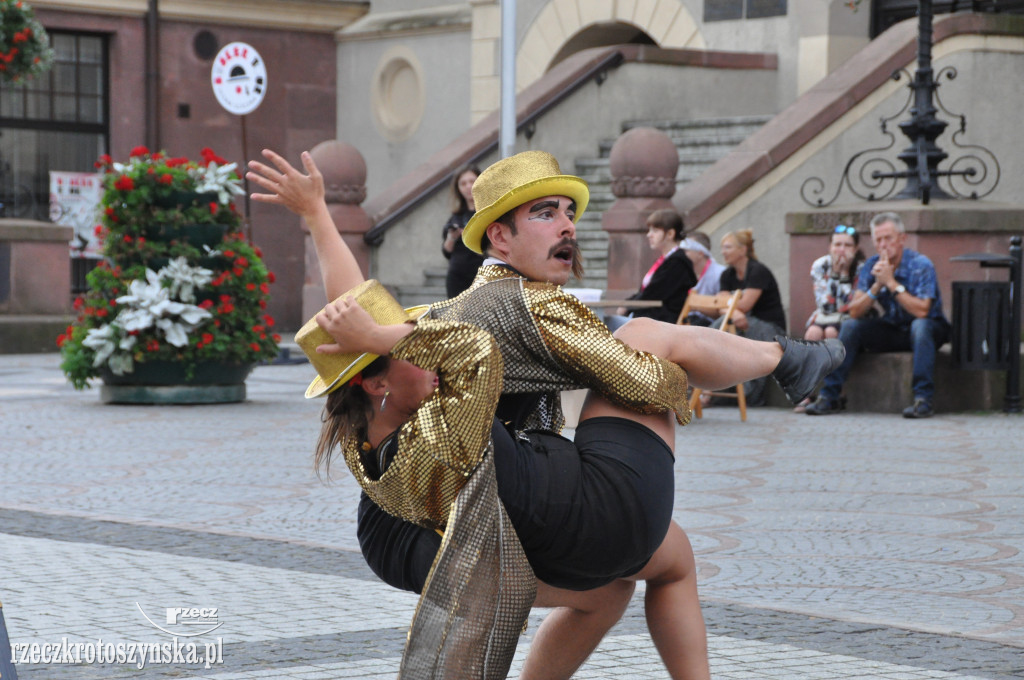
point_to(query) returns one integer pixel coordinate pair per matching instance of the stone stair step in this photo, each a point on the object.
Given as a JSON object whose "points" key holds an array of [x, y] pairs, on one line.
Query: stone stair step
{"points": [[410, 296]]}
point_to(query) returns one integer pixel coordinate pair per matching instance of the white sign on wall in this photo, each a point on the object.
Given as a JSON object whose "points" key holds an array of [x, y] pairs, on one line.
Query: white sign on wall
{"points": [[74, 202], [239, 78]]}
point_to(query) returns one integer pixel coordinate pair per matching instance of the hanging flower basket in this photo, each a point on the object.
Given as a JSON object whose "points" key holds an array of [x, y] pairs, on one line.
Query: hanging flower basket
{"points": [[24, 46], [176, 312]]}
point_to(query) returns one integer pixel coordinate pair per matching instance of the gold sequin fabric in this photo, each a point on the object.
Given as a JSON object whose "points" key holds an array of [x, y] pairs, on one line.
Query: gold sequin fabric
{"points": [[443, 443], [551, 342], [478, 595], [480, 588]]}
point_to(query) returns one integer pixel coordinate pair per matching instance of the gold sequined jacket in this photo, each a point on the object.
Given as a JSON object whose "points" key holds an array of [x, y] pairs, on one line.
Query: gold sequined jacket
{"points": [[449, 434], [480, 588], [551, 341]]}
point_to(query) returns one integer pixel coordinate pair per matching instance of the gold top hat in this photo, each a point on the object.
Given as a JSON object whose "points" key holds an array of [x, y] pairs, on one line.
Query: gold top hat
{"points": [[334, 370], [515, 180]]}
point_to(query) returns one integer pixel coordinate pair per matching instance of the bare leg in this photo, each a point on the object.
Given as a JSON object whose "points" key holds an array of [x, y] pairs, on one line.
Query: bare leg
{"points": [[574, 629], [672, 608], [814, 332], [713, 360]]}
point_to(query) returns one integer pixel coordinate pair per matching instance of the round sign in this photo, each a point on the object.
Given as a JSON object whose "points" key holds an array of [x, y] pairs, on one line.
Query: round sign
{"points": [[239, 78]]}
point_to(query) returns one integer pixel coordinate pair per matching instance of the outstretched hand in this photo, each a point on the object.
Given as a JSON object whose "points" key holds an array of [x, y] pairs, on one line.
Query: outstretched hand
{"points": [[303, 194]]}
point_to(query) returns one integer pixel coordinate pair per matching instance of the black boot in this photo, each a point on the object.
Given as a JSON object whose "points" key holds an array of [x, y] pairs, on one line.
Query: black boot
{"points": [[805, 363]]}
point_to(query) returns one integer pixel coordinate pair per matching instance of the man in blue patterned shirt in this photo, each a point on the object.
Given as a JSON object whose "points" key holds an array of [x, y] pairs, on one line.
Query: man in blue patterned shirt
{"points": [[903, 282]]}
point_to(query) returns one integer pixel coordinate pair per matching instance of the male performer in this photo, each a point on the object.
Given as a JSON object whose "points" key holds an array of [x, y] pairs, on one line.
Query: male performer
{"points": [[551, 342]]}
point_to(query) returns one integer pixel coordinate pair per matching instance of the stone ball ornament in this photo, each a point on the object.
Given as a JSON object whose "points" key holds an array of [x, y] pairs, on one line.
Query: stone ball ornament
{"points": [[643, 164]]}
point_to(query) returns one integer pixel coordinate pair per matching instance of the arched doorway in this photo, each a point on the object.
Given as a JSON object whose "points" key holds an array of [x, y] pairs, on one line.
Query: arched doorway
{"points": [[598, 35]]}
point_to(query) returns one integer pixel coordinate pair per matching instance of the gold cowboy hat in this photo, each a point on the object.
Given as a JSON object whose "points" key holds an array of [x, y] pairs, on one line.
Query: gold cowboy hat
{"points": [[516, 180], [334, 370]]}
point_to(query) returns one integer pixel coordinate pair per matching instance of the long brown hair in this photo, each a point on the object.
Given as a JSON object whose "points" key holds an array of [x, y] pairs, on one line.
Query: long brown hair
{"points": [[458, 201], [344, 416], [744, 237]]}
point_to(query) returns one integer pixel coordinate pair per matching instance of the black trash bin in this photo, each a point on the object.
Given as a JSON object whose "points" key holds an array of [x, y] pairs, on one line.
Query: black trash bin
{"points": [[987, 320], [982, 322]]}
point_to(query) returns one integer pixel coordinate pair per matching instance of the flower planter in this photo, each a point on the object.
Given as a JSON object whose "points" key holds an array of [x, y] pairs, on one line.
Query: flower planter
{"points": [[198, 235], [166, 382], [184, 199]]}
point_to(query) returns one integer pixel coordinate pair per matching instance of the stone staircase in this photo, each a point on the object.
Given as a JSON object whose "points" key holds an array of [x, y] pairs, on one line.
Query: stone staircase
{"points": [[700, 142], [432, 289]]}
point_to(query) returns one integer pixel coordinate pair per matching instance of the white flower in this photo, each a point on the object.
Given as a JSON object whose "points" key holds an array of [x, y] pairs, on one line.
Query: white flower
{"points": [[184, 278], [217, 178], [102, 341]]}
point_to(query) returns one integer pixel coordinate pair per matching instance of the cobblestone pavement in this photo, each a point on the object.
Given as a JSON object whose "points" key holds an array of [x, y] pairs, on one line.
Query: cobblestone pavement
{"points": [[854, 546]]}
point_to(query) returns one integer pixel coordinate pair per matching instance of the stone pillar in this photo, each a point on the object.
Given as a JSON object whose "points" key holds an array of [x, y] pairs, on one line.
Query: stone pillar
{"points": [[644, 162], [344, 172]]}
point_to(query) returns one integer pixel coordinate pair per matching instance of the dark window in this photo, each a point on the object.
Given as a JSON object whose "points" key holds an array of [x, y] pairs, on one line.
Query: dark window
{"points": [[57, 121], [721, 10], [885, 13]]}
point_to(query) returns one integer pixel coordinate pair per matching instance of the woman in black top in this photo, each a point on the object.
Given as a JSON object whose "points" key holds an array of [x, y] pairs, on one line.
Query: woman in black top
{"points": [[462, 262], [759, 314], [671, 276]]}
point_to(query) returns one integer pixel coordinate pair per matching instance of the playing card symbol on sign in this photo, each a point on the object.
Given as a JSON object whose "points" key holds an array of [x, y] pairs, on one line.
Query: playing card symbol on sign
{"points": [[239, 78]]}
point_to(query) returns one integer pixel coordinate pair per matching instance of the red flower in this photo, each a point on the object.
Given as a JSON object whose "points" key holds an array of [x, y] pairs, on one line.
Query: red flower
{"points": [[225, 298], [258, 328], [152, 345], [254, 346], [229, 253], [264, 288], [277, 338], [79, 301], [127, 238], [61, 339], [271, 277], [124, 183], [102, 312], [210, 157], [242, 262], [237, 271], [250, 286], [269, 320], [214, 207], [227, 308], [166, 178], [206, 304], [98, 230], [207, 338], [139, 151], [256, 249]]}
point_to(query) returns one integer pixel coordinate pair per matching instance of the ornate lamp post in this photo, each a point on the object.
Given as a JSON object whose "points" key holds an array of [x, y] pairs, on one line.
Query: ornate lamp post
{"points": [[923, 156], [873, 177]]}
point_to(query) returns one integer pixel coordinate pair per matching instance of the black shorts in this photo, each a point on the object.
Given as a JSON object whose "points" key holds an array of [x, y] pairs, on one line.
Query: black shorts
{"points": [[592, 510], [586, 512]]}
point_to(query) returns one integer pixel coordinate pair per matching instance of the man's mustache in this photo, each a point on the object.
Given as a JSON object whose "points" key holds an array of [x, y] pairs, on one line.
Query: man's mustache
{"points": [[563, 243]]}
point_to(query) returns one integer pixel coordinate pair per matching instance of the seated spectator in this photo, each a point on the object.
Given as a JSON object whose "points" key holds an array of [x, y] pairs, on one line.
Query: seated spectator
{"points": [[905, 284], [670, 277], [833, 277], [698, 248], [759, 314]]}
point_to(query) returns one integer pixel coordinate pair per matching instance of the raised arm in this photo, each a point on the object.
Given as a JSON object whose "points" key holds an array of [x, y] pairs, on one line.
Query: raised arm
{"points": [[303, 194]]}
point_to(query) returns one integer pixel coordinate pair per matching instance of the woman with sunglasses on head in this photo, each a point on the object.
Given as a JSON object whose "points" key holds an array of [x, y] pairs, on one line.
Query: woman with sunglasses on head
{"points": [[834, 278]]}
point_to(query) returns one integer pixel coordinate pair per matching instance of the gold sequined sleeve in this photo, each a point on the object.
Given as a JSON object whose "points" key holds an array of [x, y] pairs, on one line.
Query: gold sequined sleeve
{"points": [[450, 432], [588, 352]]}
